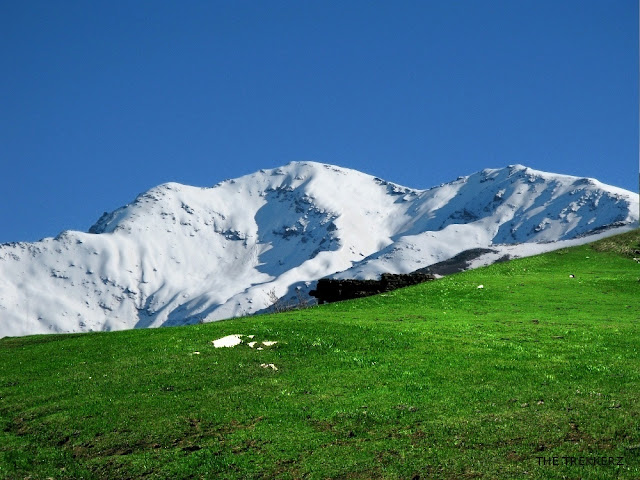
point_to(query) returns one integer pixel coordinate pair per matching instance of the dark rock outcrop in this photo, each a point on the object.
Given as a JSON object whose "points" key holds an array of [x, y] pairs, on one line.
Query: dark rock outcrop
{"points": [[331, 290], [458, 263]]}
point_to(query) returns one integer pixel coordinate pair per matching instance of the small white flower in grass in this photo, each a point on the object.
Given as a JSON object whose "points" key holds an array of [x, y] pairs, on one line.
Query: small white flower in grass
{"points": [[251, 344], [269, 365], [480, 286], [268, 343]]}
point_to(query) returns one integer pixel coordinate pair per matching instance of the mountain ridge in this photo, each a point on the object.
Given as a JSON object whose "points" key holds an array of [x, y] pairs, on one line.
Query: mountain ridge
{"points": [[179, 254]]}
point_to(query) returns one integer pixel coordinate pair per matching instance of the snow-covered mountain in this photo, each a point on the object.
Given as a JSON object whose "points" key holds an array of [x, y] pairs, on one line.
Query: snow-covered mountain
{"points": [[179, 254]]}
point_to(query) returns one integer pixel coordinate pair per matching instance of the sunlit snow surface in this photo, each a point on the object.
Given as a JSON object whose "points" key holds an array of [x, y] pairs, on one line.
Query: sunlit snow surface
{"points": [[179, 254]]}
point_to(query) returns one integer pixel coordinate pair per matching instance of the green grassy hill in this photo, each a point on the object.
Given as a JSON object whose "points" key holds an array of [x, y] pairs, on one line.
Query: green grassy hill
{"points": [[530, 376]]}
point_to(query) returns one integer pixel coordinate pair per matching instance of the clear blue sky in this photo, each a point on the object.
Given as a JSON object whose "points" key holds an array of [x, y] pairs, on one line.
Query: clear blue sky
{"points": [[101, 100]]}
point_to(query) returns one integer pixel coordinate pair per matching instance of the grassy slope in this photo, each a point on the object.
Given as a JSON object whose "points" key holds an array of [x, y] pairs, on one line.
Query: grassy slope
{"points": [[442, 380]]}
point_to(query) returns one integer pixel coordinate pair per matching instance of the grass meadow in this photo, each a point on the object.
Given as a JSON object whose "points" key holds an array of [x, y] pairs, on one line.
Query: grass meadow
{"points": [[536, 375]]}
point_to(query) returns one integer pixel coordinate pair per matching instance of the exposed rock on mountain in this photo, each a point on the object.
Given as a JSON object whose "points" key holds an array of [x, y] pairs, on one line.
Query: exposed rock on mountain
{"points": [[332, 290]]}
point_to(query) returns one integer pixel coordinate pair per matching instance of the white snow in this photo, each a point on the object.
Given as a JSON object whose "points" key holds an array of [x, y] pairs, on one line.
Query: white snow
{"points": [[181, 255], [228, 341]]}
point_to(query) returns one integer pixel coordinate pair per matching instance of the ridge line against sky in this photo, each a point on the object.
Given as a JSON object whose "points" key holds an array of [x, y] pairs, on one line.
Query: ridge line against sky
{"points": [[104, 100]]}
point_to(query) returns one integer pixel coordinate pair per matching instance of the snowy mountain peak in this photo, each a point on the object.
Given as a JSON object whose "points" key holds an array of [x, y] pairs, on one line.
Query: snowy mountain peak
{"points": [[517, 167], [180, 254]]}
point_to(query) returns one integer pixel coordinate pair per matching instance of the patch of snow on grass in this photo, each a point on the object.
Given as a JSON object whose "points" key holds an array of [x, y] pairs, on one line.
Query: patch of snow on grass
{"points": [[228, 341]]}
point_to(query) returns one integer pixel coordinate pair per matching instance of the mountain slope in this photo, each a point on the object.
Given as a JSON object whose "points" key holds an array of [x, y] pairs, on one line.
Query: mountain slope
{"points": [[181, 254]]}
